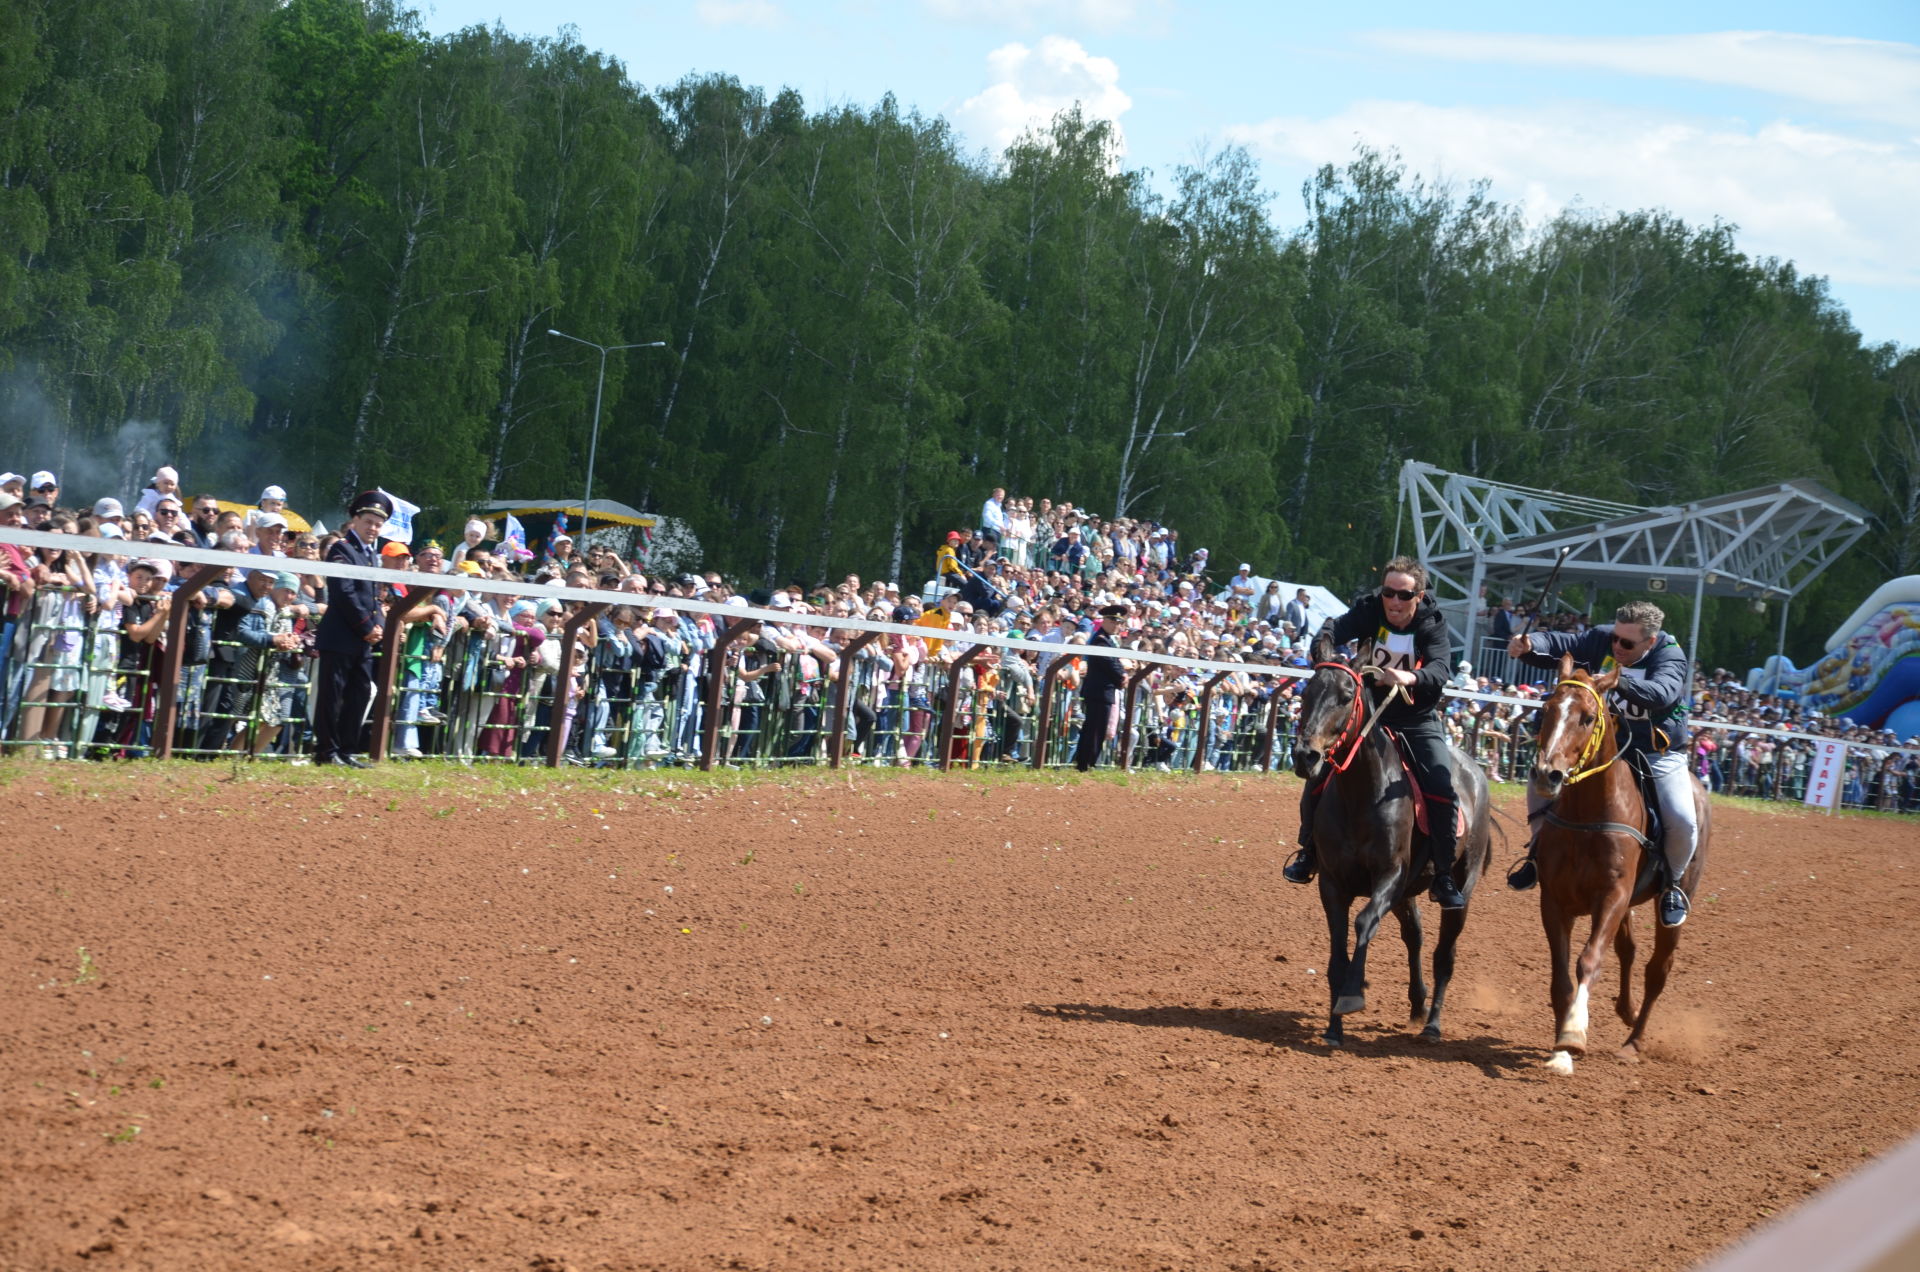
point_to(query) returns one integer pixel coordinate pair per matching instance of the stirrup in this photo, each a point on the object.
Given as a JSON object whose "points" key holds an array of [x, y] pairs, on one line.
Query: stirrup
{"points": [[1674, 906], [1523, 876], [1302, 868]]}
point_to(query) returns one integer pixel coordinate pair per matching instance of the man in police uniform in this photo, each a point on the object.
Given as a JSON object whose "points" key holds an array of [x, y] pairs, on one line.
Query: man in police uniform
{"points": [[1402, 633], [349, 633], [1099, 689], [1651, 698]]}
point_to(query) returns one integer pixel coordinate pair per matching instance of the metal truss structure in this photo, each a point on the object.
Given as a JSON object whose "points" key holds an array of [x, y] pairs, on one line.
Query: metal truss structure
{"points": [[1763, 545]]}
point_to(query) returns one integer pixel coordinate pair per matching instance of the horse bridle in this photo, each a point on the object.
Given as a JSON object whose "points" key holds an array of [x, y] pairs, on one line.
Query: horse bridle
{"points": [[1354, 717], [1596, 735]]}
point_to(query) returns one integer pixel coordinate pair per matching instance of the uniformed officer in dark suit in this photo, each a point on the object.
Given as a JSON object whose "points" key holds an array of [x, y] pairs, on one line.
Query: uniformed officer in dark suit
{"points": [[350, 632], [1099, 689]]}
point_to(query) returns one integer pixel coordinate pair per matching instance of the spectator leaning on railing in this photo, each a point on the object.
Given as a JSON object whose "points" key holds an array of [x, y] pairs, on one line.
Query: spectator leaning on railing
{"points": [[473, 681]]}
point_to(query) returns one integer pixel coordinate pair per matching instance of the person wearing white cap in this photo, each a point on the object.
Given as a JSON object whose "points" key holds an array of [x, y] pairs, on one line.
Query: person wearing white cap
{"points": [[14, 484], [470, 537], [165, 484], [109, 512], [1240, 590], [272, 500], [45, 486]]}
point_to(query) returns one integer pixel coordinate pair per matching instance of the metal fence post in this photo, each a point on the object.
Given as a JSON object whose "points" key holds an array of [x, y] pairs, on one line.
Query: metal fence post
{"points": [[716, 688], [557, 713], [1201, 734], [843, 680], [950, 701], [1124, 751], [1044, 726], [178, 613], [393, 635], [1263, 753]]}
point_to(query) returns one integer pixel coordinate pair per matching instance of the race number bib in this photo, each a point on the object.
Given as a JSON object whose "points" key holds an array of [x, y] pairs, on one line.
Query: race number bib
{"points": [[1630, 711], [1392, 649]]}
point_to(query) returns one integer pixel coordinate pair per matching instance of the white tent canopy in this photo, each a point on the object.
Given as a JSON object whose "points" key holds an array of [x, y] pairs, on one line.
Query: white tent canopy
{"points": [[1322, 605]]}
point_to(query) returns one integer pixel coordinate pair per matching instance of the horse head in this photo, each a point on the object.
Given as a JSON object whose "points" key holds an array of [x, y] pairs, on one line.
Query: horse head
{"points": [[1572, 723], [1327, 703]]}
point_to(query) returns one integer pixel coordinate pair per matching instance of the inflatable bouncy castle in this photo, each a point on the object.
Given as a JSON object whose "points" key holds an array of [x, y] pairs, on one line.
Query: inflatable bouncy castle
{"points": [[1871, 672]]}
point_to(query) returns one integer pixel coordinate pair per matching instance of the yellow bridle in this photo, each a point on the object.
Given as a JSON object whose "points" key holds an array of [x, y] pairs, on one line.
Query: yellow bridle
{"points": [[1596, 737]]}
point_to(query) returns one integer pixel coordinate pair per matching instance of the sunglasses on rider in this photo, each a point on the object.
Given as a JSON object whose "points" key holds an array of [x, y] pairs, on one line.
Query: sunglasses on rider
{"points": [[1399, 594], [1628, 644]]}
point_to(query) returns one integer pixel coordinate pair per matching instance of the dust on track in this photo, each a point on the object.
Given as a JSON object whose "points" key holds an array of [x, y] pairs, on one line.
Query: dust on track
{"points": [[437, 1020]]}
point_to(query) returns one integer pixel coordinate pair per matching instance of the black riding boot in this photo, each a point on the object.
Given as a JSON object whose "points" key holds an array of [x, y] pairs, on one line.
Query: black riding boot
{"points": [[1445, 892], [1303, 866], [1526, 874]]}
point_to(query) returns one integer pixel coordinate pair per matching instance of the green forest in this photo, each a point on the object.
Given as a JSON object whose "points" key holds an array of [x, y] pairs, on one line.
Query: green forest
{"points": [[302, 241]]}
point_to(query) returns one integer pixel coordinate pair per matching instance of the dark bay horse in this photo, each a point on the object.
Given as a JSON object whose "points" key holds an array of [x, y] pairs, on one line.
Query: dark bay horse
{"points": [[1366, 842], [1595, 860]]}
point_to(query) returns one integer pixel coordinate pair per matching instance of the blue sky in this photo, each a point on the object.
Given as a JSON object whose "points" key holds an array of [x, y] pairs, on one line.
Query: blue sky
{"points": [[1799, 124]]}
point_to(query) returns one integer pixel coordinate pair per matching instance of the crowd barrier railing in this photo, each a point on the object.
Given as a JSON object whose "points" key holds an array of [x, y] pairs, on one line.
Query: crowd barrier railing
{"points": [[82, 691]]}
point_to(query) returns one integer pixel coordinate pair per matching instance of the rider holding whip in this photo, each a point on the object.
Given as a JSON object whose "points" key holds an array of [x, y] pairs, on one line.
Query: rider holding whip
{"points": [[1651, 699], [1404, 647]]}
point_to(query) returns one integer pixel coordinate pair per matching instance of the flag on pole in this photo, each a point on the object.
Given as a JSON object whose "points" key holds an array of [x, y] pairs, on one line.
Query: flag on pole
{"points": [[560, 522], [399, 526], [516, 539]]}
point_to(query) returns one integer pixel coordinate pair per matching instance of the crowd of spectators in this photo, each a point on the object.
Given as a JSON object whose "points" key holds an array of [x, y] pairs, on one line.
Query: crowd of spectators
{"points": [[480, 674], [477, 670]]}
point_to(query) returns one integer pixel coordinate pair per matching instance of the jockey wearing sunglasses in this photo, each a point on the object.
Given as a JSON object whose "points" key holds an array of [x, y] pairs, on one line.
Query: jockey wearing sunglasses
{"points": [[1403, 635], [1651, 701]]}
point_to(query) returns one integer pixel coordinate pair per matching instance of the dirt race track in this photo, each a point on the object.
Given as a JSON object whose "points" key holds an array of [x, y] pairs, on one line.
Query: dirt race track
{"points": [[427, 1020]]}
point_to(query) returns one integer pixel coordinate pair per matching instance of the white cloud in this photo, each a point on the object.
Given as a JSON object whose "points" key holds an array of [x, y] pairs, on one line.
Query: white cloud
{"points": [[1030, 86], [1869, 79], [1835, 204], [760, 13], [1027, 15]]}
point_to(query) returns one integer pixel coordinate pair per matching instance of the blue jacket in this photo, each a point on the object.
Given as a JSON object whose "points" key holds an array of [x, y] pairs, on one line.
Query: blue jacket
{"points": [[1652, 695], [353, 605]]}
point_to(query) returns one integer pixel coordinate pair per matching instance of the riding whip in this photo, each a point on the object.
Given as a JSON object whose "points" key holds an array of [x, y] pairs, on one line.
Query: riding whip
{"points": [[1547, 591]]}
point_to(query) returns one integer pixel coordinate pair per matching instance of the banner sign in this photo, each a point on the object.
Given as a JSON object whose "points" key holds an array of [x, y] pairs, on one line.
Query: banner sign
{"points": [[1823, 778]]}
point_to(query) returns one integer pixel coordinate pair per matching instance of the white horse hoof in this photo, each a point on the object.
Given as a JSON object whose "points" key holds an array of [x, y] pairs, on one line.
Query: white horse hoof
{"points": [[1347, 1004], [1561, 1063]]}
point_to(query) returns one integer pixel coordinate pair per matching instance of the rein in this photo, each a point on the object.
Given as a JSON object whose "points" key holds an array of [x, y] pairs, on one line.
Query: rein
{"points": [[1353, 719]]}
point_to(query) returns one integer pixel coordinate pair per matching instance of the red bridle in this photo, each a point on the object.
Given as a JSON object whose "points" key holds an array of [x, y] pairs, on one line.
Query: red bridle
{"points": [[1355, 722]]}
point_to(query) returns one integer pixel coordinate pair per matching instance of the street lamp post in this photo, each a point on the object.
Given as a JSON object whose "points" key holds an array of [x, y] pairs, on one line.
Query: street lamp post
{"points": [[593, 444]]}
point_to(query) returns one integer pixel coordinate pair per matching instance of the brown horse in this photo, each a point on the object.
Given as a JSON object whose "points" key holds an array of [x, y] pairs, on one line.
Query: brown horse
{"points": [[1594, 859]]}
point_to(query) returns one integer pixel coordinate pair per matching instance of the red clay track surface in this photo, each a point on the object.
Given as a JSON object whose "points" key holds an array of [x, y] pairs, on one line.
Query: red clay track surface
{"points": [[876, 1022]]}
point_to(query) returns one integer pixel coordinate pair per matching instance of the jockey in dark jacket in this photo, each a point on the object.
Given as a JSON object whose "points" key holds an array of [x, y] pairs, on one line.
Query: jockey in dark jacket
{"points": [[1651, 701], [1401, 631]]}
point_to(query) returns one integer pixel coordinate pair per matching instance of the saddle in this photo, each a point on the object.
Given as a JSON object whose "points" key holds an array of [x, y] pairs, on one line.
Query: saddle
{"points": [[1421, 799]]}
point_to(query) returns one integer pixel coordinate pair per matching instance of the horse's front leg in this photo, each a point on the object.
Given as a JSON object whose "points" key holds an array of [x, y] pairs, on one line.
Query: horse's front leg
{"points": [[1558, 922], [1607, 916], [1335, 904], [1351, 993], [1408, 912]]}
